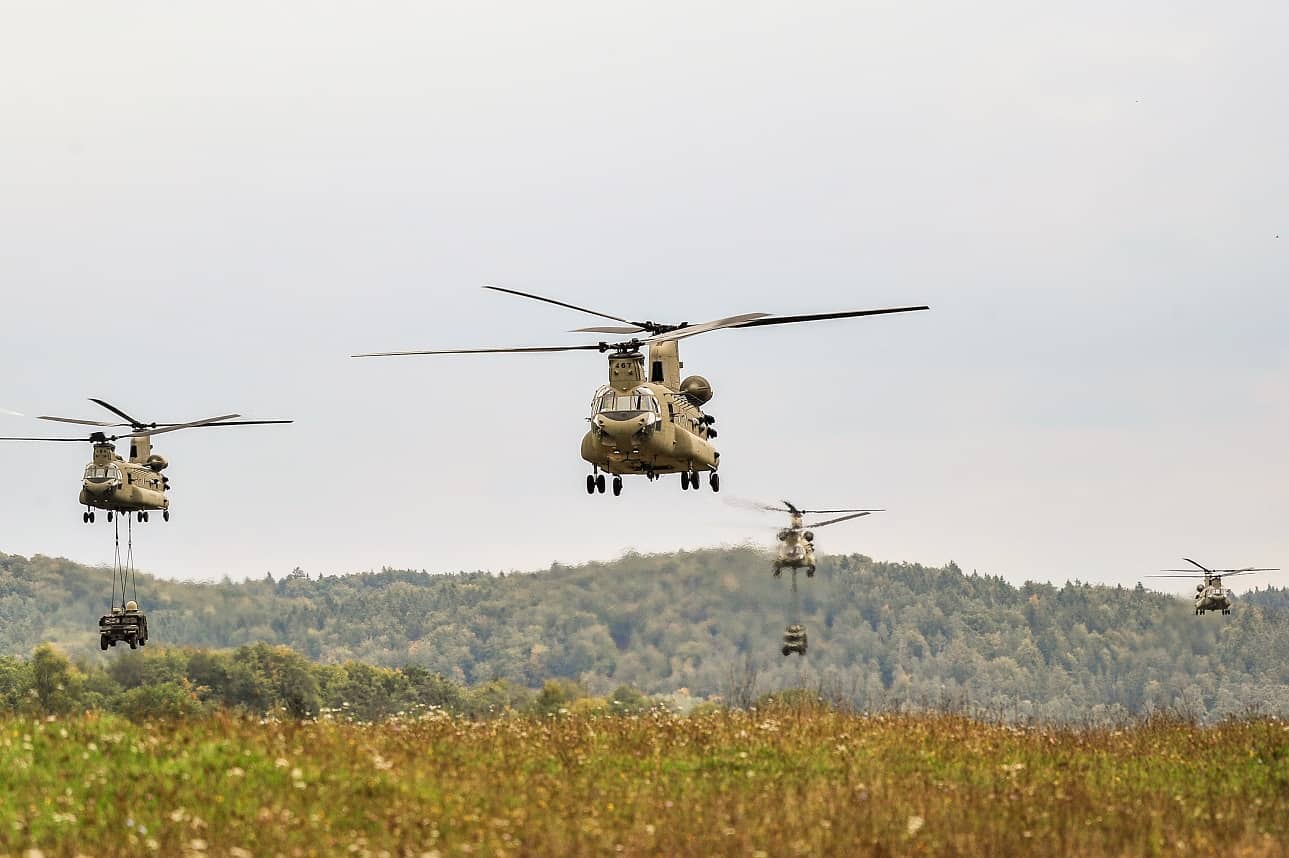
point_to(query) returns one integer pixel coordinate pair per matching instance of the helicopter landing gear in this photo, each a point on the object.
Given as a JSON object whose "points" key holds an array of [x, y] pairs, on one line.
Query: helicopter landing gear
{"points": [[590, 484], [109, 515], [599, 483], [165, 515], [810, 571], [715, 481], [143, 516], [88, 517], [617, 486], [689, 480]]}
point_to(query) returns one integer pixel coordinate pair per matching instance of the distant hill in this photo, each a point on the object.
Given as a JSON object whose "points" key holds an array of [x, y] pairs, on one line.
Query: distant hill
{"points": [[711, 621]]}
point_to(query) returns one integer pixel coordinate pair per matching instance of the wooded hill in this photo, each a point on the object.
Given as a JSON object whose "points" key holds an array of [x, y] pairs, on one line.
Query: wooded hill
{"points": [[711, 622]]}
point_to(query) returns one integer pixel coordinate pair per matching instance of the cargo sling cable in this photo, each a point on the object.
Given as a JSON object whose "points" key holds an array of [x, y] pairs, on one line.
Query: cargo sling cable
{"points": [[125, 573]]}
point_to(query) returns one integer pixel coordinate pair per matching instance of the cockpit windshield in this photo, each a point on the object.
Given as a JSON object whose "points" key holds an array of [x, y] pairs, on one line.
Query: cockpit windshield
{"points": [[103, 474], [613, 402]]}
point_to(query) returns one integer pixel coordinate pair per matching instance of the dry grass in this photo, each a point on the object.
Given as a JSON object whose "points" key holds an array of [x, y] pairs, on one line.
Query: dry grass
{"points": [[776, 782]]}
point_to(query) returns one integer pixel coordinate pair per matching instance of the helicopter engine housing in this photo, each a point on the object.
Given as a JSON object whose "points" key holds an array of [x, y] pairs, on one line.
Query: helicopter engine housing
{"points": [[697, 389], [157, 463], [809, 535]]}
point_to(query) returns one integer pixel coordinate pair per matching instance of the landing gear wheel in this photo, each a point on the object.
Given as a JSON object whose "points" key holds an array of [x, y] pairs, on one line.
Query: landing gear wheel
{"points": [[684, 480], [165, 515], [599, 483], [810, 571], [715, 481], [695, 480], [590, 484], [91, 518], [85, 518], [139, 516], [109, 515], [617, 486]]}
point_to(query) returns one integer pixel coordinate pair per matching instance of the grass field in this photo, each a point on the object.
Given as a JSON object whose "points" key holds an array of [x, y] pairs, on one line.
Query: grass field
{"points": [[775, 782]]}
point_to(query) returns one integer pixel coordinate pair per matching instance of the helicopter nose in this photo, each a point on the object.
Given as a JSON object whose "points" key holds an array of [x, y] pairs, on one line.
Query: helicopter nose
{"points": [[97, 489], [624, 430]]}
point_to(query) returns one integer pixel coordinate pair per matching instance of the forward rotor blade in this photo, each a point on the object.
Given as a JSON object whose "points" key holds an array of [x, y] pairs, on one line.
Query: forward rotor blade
{"points": [[1182, 575], [599, 347], [819, 317], [835, 511], [80, 422], [118, 412], [177, 426], [843, 518], [557, 303], [609, 329], [1229, 572], [791, 508], [229, 423], [82, 440], [695, 330], [1197, 565]]}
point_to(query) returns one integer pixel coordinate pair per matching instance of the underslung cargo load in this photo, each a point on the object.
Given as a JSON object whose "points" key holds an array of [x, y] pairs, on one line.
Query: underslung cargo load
{"points": [[794, 640]]}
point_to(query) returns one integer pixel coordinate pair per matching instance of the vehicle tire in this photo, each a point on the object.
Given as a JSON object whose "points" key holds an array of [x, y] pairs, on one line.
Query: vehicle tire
{"points": [[133, 644], [143, 641], [787, 650], [715, 481], [102, 643]]}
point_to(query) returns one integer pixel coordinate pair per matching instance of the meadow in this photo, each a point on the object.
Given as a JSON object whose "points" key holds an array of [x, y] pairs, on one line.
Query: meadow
{"points": [[784, 780]]}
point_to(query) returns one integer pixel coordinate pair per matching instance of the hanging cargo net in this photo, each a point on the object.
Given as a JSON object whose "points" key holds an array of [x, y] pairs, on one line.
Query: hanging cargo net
{"points": [[124, 622]]}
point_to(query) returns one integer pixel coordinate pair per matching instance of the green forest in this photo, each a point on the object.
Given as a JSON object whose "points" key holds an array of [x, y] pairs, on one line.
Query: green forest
{"points": [[683, 627]]}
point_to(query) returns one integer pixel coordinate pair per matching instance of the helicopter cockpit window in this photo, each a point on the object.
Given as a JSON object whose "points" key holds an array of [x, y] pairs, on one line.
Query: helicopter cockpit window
{"points": [[612, 402], [103, 473]]}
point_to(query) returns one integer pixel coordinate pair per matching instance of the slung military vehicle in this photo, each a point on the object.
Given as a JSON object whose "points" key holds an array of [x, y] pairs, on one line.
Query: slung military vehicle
{"points": [[134, 485], [1210, 593], [648, 420]]}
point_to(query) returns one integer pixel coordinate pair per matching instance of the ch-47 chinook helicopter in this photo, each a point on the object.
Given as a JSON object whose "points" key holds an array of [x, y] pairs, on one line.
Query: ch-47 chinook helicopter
{"points": [[797, 540], [648, 420], [134, 485], [1210, 595]]}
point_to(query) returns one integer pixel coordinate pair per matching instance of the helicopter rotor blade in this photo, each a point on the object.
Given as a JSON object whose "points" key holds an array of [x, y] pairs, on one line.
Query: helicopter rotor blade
{"points": [[175, 427], [557, 303], [791, 508], [819, 317], [843, 518], [705, 327], [1196, 565], [609, 329], [1228, 572], [599, 347], [119, 413], [1181, 575], [81, 440], [228, 423], [836, 511], [82, 422]]}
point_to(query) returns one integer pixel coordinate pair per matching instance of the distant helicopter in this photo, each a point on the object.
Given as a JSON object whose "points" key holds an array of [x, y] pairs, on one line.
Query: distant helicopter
{"points": [[647, 420], [135, 485], [1210, 595], [797, 540]]}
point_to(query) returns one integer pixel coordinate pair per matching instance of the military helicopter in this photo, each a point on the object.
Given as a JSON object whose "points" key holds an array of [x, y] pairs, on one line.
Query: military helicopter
{"points": [[797, 540], [648, 420], [134, 485], [1210, 595]]}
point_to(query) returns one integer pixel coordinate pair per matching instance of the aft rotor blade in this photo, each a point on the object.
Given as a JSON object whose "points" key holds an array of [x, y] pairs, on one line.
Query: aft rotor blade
{"points": [[791, 508], [835, 511], [1228, 572], [557, 303], [718, 324], [819, 317], [843, 518], [177, 426], [599, 347], [609, 329], [118, 412], [81, 422]]}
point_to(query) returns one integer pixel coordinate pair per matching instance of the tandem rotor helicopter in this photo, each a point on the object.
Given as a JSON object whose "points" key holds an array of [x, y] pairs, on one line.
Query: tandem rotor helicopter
{"points": [[135, 485], [1210, 594], [648, 420], [797, 540]]}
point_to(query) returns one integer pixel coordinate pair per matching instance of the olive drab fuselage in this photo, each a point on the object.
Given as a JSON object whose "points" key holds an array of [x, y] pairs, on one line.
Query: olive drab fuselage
{"points": [[125, 485], [646, 420], [1213, 596], [796, 548]]}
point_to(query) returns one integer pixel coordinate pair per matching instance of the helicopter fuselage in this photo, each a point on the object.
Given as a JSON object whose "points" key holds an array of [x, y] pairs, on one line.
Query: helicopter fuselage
{"points": [[1212, 596], [796, 548], [134, 485], [650, 426]]}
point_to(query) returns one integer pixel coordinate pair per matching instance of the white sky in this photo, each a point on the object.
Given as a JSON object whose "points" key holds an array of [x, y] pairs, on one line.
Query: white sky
{"points": [[205, 208]]}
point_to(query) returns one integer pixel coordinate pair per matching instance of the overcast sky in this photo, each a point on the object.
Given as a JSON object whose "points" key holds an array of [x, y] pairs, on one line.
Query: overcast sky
{"points": [[205, 208]]}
